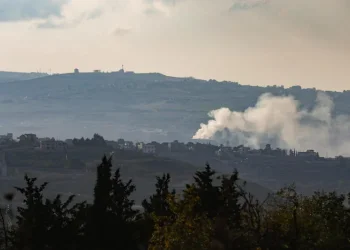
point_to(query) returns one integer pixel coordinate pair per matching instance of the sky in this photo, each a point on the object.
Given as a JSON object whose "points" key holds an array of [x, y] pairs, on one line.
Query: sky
{"points": [[255, 42]]}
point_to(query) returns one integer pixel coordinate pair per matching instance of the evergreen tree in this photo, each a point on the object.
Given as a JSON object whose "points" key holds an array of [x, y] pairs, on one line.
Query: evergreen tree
{"points": [[207, 192], [122, 205], [229, 200], [33, 219], [112, 217], [228, 220], [158, 202], [40, 221], [99, 224], [124, 215], [186, 230], [157, 205]]}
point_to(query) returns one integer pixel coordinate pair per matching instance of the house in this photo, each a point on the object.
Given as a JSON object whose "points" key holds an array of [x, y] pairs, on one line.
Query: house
{"points": [[127, 145], [52, 145], [149, 149], [28, 139], [308, 153], [241, 149], [255, 152], [139, 145], [6, 138], [69, 142]]}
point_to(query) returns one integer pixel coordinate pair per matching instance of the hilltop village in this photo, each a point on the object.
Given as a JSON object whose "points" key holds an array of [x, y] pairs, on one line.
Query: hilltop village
{"points": [[270, 167], [31, 141]]}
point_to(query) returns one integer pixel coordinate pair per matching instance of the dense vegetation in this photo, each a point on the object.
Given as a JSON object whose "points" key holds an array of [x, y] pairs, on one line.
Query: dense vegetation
{"points": [[203, 216]]}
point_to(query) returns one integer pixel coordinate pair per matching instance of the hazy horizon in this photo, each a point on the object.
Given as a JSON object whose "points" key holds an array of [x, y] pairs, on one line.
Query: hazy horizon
{"points": [[156, 72], [253, 42]]}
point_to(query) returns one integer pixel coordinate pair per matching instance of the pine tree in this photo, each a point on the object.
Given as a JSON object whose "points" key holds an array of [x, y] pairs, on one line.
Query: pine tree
{"points": [[99, 224], [112, 217], [32, 219], [40, 221], [123, 213], [207, 192], [158, 203], [229, 194], [67, 221]]}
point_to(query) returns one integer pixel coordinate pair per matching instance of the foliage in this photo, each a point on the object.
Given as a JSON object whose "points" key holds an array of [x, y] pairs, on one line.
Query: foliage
{"points": [[41, 220], [112, 215], [157, 205], [206, 215], [182, 230], [96, 141]]}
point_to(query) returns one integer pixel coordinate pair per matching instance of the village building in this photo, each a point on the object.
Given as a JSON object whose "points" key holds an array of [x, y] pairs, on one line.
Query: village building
{"points": [[308, 153], [126, 145], [52, 145], [149, 149]]}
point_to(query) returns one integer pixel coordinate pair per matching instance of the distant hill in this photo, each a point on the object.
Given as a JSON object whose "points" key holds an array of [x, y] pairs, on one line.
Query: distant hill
{"points": [[130, 105], [18, 76], [142, 169]]}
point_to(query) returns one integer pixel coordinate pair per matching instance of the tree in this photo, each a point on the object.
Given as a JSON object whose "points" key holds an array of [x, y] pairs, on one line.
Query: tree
{"points": [[158, 202], [184, 229], [5, 223], [227, 227], [124, 215], [67, 221], [156, 205], [98, 140], [40, 221], [112, 216], [32, 220], [99, 224], [207, 192]]}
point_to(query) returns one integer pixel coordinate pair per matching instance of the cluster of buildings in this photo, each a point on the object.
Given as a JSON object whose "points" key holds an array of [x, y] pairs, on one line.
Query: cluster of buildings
{"points": [[44, 144], [146, 148], [242, 150], [77, 71], [51, 145], [220, 151], [47, 144]]}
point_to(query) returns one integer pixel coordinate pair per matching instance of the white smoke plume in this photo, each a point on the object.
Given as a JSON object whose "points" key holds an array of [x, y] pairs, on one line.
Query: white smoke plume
{"points": [[280, 121]]}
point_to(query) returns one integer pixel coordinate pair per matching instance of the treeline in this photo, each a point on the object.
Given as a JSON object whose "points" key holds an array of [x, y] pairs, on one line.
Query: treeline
{"points": [[204, 216]]}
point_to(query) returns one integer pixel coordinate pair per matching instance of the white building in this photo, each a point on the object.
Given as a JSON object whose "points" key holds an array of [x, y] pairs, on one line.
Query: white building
{"points": [[139, 145], [149, 149], [52, 145]]}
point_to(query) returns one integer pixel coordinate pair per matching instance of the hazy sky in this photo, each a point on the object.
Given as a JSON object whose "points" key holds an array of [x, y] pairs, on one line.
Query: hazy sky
{"points": [[259, 42]]}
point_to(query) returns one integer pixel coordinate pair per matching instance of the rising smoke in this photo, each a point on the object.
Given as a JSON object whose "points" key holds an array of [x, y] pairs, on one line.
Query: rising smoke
{"points": [[280, 121]]}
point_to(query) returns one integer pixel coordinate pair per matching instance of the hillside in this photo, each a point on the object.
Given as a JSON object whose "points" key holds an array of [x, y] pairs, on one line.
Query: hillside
{"points": [[130, 105], [79, 178], [6, 76]]}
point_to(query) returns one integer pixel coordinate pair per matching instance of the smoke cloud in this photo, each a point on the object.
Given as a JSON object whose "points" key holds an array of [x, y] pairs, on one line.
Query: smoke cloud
{"points": [[280, 121]]}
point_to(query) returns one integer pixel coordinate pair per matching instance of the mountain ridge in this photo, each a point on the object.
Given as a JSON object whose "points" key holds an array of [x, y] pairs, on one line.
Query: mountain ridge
{"points": [[156, 75], [146, 106]]}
